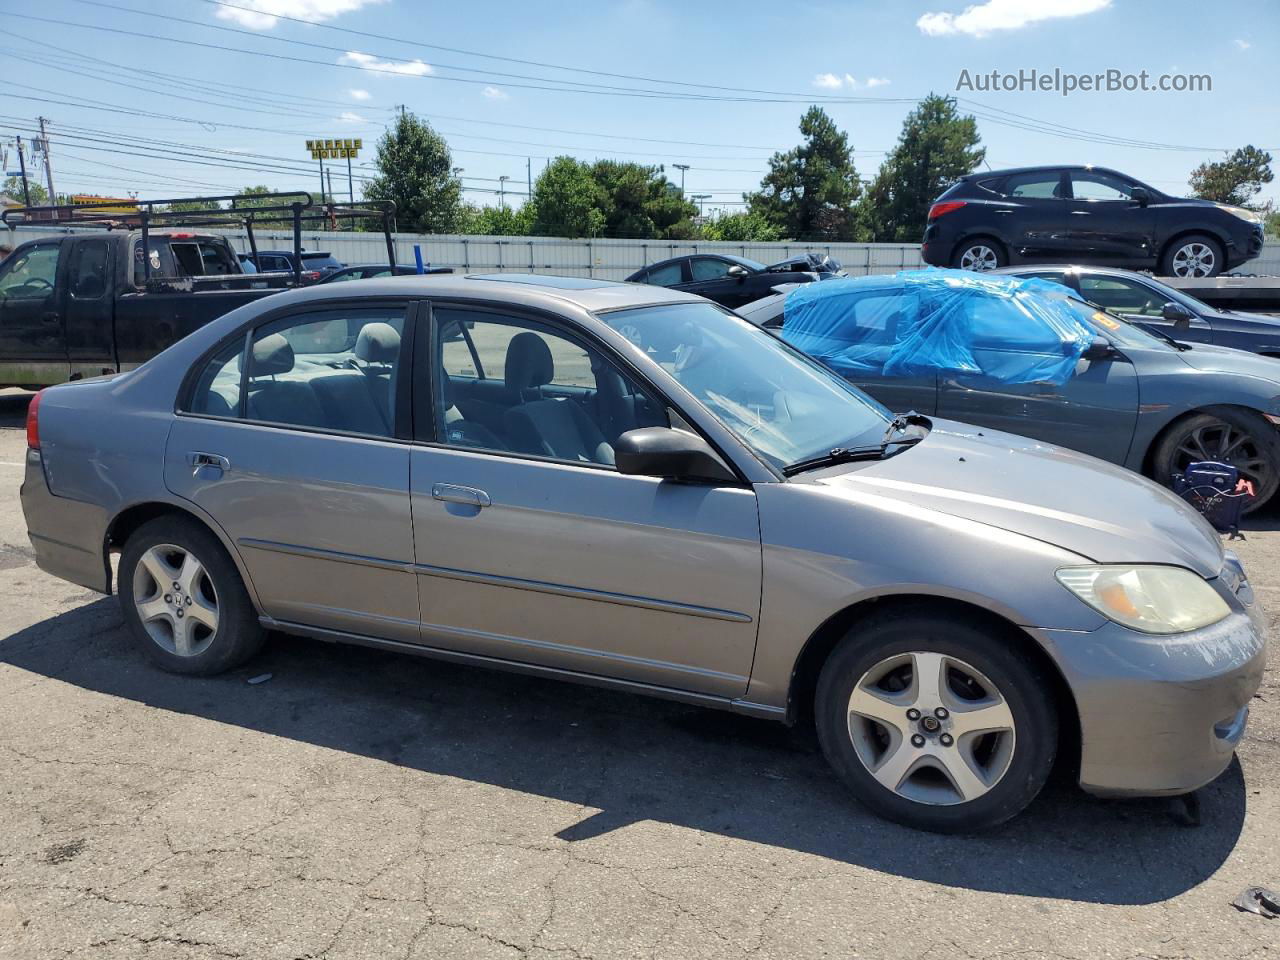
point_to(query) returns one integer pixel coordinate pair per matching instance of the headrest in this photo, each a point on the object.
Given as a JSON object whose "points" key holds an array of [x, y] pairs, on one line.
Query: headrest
{"points": [[378, 343], [529, 362], [271, 355]]}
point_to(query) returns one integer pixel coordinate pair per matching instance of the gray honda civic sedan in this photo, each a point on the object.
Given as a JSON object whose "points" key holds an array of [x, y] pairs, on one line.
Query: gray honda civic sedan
{"points": [[631, 487]]}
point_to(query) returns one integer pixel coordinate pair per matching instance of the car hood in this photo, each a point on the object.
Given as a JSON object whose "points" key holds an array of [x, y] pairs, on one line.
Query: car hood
{"points": [[1076, 502], [1213, 359]]}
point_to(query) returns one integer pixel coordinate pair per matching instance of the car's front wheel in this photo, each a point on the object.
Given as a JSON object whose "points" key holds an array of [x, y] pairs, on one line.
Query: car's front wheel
{"points": [[939, 723], [183, 599], [980, 255], [1240, 438], [1194, 256]]}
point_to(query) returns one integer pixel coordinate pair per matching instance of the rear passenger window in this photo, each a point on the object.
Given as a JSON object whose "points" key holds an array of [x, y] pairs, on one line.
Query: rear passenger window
{"points": [[327, 369], [666, 276]]}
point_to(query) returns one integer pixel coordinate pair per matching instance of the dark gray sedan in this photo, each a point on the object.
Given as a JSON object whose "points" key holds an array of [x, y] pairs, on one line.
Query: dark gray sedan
{"points": [[1138, 399], [1156, 306]]}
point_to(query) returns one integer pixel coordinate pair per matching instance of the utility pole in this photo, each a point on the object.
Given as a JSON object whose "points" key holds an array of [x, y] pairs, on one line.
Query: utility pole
{"points": [[22, 169], [351, 190], [528, 172], [331, 200], [502, 185], [700, 197], [48, 164], [682, 167], [322, 196]]}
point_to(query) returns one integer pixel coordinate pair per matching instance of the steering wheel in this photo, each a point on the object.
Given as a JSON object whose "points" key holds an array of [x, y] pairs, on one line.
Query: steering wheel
{"points": [[39, 280]]}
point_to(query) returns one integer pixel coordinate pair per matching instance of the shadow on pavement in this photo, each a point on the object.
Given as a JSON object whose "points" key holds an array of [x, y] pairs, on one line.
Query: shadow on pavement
{"points": [[13, 407], [638, 759]]}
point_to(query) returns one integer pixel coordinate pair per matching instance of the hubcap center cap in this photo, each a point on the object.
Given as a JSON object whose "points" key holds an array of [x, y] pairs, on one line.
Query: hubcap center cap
{"points": [[930, 725]]}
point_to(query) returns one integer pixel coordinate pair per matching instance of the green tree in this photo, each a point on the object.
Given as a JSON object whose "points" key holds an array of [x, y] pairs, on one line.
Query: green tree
{"points": [[496, 221], [13, 187], [936, 147], [1273, 224], [811, 191], [640, 202], [415, 170], [745, 227], [1235, 180], [567, 201]]}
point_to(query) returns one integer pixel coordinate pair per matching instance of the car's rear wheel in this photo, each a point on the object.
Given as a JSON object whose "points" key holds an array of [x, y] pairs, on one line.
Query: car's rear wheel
{"points": [[1240, 438], [980, 255], [939, 723], [1198, 255], [183, 599]]}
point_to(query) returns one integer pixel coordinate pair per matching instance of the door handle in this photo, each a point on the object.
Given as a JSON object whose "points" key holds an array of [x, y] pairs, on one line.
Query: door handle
{"points": [[49, 317], [452, 493], [1079, 213], [199, 460], [1004, 211]]}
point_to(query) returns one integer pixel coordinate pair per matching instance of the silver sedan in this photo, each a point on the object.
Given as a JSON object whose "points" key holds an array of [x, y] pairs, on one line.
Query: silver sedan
{"points": [[631, 487]]}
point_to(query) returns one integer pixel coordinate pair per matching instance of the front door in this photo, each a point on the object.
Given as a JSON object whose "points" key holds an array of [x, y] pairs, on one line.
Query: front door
{"points": [[88, 307], [531, 547], [298, 461], [1140, 304], [709, 277], [1104, 223], [33, 343]]}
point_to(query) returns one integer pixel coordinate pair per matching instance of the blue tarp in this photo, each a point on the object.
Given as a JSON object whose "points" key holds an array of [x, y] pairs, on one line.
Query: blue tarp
{"points": [[923, 322]]}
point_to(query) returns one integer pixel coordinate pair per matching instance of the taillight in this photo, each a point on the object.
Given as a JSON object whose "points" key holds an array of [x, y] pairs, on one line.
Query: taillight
{"points": [[33, 421], [311, 276], [938, 209]]}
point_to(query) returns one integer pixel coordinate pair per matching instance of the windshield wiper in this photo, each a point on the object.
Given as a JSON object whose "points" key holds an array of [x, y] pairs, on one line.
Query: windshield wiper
{"points": [[868, 452]]}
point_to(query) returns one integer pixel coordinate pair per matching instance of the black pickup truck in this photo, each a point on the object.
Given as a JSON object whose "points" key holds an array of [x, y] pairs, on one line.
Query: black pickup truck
{"points": [[80, 305], [85, 304]]}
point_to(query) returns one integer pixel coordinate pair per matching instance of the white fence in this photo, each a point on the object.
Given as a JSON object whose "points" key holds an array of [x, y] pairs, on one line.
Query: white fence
{"points": [[606, 259]]}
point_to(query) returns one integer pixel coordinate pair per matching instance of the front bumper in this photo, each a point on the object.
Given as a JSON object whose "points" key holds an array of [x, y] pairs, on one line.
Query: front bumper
{"points": [[68, 536], [1162, 715]]}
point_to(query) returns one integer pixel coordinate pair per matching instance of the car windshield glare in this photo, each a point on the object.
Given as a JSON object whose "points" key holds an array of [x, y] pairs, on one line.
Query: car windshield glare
{"points": [[784, 406]]}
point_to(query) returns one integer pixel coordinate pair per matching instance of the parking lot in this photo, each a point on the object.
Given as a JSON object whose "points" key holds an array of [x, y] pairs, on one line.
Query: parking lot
{"points": [[364, 804]]}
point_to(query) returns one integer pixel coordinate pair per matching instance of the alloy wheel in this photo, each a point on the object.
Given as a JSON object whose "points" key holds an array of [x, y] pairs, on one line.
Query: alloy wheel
{"points": [[1221, 442], [1194, 259], [175, 600], [979, 258], [931, 728]]}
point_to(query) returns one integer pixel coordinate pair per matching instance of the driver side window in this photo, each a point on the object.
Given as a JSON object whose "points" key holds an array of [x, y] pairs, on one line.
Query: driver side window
{"points": [[709, 268], [30, 274], [1122, 296], [1099, 186]]}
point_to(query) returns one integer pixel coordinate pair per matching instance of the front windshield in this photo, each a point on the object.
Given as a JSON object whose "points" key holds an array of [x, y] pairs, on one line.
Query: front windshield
{"points": [[1121, 332], [781, 404]]}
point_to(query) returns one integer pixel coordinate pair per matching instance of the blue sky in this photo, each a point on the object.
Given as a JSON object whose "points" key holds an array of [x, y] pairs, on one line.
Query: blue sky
{"points": [[215, 105]]}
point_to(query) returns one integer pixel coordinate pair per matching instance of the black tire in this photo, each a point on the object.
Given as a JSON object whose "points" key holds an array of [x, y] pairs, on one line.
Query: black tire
{"points": [[238, 635], [1258, 459], [1169, 260], [987, 250], [1019, 682]]}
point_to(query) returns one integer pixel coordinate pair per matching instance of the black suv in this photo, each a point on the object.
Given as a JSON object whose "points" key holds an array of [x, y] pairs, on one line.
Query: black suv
{"points": [[734, 281], [1085, 215]]}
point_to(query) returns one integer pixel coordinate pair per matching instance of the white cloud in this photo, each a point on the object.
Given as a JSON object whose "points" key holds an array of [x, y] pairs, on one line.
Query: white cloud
{"points": [[830, 81], [358, 94], [493, 93], [1243, 44], [405, 68], [981, 19], [265, 14], [348, 116]]}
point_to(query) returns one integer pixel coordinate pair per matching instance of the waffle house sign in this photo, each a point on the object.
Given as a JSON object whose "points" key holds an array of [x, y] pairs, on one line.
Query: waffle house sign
{"points": [[334, 149]]}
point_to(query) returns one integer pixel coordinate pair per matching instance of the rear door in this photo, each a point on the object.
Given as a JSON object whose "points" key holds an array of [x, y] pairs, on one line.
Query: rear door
{"points": [[88, 307], [33, 343], [1033, 214], [298, 456], [1104, 222], [531, 547]]}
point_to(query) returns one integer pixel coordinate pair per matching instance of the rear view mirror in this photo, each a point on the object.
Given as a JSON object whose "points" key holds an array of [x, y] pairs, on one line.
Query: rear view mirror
{"points": [[670, 454], [1100, 349], [1140, 196], [737, 270], [1178, 315]]}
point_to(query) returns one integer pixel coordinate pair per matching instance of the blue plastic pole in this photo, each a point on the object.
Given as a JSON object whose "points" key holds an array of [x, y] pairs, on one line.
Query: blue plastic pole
{"points": [[417, 255]]}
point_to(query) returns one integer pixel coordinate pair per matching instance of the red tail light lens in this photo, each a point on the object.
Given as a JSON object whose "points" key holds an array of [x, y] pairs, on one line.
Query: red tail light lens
{"points": [[938, 209], [311, 276], [33, 422]]}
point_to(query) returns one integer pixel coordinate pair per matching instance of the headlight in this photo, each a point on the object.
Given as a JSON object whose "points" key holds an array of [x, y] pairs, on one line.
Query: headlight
{"points": [[1249, 216], [1153, 599]]}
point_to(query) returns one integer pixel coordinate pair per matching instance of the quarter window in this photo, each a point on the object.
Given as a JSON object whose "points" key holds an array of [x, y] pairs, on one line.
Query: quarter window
{"points": [[516, 386]]}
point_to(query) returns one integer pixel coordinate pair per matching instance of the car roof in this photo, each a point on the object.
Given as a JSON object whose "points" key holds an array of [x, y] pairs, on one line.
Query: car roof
{"points": [[1007, 171], [745, 261], [1072, 268], [523, 288]]}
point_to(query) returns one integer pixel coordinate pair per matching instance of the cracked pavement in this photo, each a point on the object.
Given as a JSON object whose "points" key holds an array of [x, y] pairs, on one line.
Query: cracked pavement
{"points": [[366, 804]]}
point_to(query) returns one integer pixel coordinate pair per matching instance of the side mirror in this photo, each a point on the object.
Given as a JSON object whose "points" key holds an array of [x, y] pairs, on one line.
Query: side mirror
{"points": [[1100, 349], [1140, 196], [1178, 315], [738, 270], [670, 454]]}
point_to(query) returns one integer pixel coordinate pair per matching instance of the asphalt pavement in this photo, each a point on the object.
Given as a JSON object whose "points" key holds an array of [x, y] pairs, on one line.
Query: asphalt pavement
{"points": [[361, 804]]}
